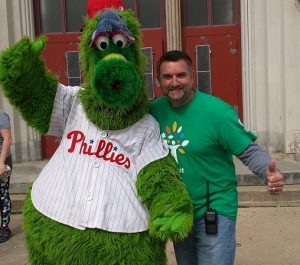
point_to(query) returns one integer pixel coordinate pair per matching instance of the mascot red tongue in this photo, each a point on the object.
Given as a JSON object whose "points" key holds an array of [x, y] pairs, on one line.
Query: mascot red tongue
{"points": [[111, 193]]}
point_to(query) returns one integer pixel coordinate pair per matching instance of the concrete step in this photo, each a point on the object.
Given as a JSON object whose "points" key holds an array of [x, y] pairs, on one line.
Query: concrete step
{"points": [[258, 196], [17, 202], [252, 191], [24, 173], [248, 179], [289, 167], [249, 196]]}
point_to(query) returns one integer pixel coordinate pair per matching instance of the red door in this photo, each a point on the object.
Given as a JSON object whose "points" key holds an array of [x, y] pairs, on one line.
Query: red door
{"points": [[60, 21], [212, 39]]}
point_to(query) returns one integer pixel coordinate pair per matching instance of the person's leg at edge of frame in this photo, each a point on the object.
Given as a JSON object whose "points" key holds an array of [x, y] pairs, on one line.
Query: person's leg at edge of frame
{"points": [[5, 204], [185, 251], [216, 249], [202, 249]]}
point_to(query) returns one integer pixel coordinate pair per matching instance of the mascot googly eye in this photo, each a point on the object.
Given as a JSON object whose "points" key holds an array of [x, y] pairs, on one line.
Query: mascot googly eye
{"points": [[102, 42], [119, 40]]}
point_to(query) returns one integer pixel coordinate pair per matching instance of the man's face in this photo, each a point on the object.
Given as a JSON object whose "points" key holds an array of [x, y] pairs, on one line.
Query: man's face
{"points": [[176, 82]]}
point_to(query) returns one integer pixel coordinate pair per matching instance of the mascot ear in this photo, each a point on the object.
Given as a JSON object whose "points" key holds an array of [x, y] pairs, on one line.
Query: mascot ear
{"points": [[95, 6]]}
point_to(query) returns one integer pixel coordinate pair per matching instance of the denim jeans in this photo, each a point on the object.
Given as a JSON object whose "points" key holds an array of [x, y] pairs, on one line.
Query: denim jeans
{"points": [[200, 248]]}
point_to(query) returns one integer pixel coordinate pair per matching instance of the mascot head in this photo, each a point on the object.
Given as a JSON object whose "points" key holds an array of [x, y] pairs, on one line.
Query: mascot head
{"points": [[112, 62]]}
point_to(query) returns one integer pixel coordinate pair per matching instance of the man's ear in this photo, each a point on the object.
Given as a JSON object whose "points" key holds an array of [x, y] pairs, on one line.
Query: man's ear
{"points": [[157, 82], [193, 75]]}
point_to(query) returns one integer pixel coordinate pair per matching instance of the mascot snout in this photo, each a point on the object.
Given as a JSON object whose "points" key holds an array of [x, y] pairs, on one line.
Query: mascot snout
{"points": [[116, 81]]}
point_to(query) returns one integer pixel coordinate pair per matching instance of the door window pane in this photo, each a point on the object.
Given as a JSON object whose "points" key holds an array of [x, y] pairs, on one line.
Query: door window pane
{"points": [[196, 12], [222, 12], [76, 10], [128, 4], [50, 16], [149, 13]]}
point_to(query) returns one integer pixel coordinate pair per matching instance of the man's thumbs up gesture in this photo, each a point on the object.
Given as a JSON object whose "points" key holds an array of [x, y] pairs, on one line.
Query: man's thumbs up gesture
{"points": [[274, 178]]}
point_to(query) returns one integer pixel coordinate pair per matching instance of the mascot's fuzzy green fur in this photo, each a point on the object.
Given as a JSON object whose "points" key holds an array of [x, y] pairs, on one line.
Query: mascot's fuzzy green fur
{"points": [[83, 208]]}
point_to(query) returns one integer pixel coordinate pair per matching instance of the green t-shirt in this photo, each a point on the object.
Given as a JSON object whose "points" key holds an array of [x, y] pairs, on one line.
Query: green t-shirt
{"points": [[202, 136]]}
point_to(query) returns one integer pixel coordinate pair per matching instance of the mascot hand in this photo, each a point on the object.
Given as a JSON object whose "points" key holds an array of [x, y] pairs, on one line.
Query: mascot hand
{"points": [[167, 199], [174, 224], [22, 75], [21, 59], [38, 45]]}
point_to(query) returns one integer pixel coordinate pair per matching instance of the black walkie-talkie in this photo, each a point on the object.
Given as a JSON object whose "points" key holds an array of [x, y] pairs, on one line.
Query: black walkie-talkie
{"points": [[211, 216]]}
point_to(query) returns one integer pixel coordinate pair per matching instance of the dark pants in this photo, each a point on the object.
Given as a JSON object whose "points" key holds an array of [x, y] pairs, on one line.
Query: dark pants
{"points": [[5, 202]]}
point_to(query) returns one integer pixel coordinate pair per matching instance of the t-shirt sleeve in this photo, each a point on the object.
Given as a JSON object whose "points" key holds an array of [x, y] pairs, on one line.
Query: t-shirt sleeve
{"points": [[233, 135], [61, 108], [4, 121]]}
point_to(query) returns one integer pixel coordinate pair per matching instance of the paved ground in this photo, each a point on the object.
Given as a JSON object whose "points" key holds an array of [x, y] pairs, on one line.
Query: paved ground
{"points": [[266, 235]]}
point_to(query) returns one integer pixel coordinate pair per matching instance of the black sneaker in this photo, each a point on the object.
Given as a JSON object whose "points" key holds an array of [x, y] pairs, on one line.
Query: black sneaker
{"points": [[5, 234]]}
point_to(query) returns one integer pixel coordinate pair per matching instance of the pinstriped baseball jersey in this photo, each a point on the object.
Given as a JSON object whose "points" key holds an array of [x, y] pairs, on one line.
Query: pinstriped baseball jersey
{"points": [[90, 180]]}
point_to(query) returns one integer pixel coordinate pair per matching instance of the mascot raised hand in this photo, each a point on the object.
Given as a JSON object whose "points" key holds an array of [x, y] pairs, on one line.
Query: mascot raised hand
{"points": [[111, 193]]}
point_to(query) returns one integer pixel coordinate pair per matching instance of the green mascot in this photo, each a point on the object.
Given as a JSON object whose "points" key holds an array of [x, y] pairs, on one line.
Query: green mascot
{"points": [[111, 193]]}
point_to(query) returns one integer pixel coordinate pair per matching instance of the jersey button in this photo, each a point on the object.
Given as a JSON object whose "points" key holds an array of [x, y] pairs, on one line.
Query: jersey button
{"points": [[103, 134], [96, 163], [89, 196]]}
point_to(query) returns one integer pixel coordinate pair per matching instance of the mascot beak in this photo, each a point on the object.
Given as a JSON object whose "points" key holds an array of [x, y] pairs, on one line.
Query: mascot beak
{"points": [[117, 85], [113, 56]]}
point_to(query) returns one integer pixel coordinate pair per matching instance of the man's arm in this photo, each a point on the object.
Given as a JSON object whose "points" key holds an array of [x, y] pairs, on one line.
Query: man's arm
{"points": [[6, 134], [256, 159], [261, 164]]}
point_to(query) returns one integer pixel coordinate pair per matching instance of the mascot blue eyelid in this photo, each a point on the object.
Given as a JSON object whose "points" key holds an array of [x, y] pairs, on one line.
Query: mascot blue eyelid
{"points": [[111, 193], [110, 22]]}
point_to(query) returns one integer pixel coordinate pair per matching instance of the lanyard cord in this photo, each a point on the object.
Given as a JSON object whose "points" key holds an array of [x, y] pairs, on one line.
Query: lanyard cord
{"points": [[207, 196]]}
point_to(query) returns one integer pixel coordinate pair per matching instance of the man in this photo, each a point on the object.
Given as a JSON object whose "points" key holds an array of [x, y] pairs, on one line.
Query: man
{"points": [[203, 132], [5, 159]]}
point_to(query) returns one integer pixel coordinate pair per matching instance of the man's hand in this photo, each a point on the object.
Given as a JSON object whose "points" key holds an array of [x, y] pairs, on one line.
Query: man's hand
{"points": [[275, 179]]}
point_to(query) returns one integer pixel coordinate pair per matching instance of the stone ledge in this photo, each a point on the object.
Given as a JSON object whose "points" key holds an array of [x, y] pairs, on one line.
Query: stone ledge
{"points": [[249, 196]]}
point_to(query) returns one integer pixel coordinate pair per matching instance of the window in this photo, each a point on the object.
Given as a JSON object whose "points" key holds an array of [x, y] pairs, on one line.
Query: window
{"points": [[57, 16], [210, 12], [196, 13], [129, 4], [48, 11], [147, 11], [75, 12], [223, 12]]}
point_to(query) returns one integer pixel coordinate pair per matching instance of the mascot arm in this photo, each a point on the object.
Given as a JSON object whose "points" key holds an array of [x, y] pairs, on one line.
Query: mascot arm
{"points": [[168, 202], [26, 82]]}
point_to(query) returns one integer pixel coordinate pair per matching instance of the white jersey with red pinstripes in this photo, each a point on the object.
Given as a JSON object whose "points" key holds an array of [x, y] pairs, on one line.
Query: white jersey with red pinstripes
{"points": [[90, 180]]}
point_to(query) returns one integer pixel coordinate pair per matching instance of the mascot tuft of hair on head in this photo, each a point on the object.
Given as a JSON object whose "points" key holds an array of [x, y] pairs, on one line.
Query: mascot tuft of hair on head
{"points": [[111, 193]]}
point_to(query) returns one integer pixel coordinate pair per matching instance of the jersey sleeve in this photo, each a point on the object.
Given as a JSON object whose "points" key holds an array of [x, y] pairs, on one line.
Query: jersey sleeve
{"points": [[63, 102], [154, 147], [233, 135]]}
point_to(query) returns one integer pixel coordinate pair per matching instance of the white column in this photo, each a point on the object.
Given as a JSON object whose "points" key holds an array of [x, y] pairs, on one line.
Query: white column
{"points": [[173, 24], [247, 32], [263, 72], [291, 37], [16, 21]]}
